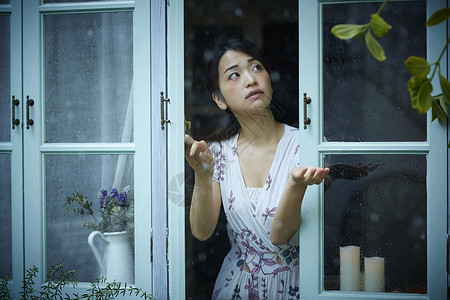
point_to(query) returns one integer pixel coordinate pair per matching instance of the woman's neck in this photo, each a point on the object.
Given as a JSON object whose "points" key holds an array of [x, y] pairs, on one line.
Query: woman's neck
{"points": [[259, 129]]}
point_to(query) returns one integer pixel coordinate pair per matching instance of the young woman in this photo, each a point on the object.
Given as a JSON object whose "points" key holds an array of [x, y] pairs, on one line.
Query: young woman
{"points": [[254, 173]]}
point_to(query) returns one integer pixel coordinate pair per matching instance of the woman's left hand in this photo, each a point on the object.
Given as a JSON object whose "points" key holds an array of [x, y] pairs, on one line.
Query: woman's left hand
{"points": [[309, 175]]}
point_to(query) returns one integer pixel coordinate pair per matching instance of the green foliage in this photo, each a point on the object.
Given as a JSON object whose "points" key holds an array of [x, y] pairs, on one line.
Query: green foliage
{"points": [[374, 47], [348, 31], [58, 279], [377, 25], [4, 290], [78, 204], [438, 17], [116, 210], [420, 84]]}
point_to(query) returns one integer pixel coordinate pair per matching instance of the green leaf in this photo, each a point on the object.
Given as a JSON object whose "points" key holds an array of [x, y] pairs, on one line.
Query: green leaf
{"points": [[424, 98], [379, 25], [438, 113], [438, 17], [418, 88], [417, 66], [374, 47], [445, 85], [443, 102], [348, 31]]}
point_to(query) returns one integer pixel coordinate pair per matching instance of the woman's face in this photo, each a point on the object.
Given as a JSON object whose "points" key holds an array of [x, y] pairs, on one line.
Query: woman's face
{"points": [[244, 84]]}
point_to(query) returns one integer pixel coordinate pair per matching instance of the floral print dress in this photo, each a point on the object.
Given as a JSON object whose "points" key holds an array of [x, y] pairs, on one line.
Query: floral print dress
{"points": [[255, 268]]}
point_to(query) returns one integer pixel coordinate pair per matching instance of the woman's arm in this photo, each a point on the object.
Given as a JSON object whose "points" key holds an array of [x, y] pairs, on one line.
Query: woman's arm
{"points": [[206, 199], [287, 217]]}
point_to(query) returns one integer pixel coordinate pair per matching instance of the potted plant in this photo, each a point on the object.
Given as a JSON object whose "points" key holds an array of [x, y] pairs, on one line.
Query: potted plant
{"points": [[115, 228]]}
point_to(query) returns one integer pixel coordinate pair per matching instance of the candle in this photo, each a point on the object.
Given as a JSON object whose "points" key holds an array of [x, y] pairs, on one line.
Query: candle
{"points": [[374, 274], [349, 269]]}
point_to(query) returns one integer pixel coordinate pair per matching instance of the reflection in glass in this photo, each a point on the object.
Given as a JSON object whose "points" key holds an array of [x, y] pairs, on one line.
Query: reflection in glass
{"points": [[273, 27], [88, 77], [67, 238], [5, 220], [378, 203], [364, 99], [5, 80]]}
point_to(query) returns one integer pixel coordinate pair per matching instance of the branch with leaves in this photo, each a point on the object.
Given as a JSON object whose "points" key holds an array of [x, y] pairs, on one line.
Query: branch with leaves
{"points": [[58, 279], [420, 84]]}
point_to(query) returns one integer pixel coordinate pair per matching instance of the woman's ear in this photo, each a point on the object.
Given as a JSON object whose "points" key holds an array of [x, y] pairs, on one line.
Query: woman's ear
{"points": [[220, 101]]}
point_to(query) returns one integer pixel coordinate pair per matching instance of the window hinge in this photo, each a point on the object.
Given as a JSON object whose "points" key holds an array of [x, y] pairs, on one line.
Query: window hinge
{"points": [[167, 245], [151, 246]]}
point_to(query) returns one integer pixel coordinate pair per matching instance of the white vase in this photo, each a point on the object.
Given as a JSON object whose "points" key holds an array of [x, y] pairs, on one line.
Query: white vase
{"points": [[117, 262]]}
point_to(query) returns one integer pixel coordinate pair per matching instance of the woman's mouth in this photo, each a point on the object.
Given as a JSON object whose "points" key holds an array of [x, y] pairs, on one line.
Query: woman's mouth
{"points": [[254, 94]]}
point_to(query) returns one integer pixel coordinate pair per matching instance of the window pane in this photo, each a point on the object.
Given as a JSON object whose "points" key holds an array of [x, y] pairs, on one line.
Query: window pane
{"points": [[5, 81], [67, 237], [4, 1], [366, 100], [273, 27], [377, 203], [88, 77], [5, 220], [68, 1]]}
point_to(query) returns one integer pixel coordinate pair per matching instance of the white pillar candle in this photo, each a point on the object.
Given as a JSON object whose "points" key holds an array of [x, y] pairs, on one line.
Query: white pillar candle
{"points": [[349, 268], [374, 274]]}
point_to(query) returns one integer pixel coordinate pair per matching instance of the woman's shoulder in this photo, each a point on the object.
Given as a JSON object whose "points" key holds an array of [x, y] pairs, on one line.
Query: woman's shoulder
{"points": [[222, 145], [291, 133]]}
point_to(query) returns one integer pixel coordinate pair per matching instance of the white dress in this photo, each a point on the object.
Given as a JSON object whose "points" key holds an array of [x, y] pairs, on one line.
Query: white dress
{"points": [[255, 268]]}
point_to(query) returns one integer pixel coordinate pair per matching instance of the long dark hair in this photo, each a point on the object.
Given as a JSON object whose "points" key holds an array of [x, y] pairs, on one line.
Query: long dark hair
{"points": [[229, 126]]}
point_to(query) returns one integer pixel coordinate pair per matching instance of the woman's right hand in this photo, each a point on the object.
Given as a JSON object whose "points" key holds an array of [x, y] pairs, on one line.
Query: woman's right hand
{"points": [[198, 156]]}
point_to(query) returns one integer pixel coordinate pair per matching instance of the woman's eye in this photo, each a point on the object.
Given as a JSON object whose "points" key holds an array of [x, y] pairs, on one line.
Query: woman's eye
{"points": [[257, 68], [233, 76]]}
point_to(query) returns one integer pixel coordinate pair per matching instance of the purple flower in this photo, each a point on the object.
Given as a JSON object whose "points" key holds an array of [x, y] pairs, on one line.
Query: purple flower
{"points": [[101, 202], [122, 197], [114, 193], [103, 193]]}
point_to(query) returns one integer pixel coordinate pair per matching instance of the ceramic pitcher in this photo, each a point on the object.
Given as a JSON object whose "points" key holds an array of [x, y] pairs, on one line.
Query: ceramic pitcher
{"points": [[117, 262]]}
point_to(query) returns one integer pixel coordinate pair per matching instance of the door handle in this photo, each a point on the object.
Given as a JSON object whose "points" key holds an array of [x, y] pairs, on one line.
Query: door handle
{"points": [[163, 100], [15, 102], [306, 120], [30, 102]]}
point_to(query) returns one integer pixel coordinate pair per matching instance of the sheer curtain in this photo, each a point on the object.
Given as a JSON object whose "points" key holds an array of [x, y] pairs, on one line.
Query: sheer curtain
{"points": [[88, 99]]}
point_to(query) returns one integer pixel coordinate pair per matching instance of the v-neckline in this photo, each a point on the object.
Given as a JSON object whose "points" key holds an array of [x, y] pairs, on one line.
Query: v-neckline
{"points": [[271, 165]]}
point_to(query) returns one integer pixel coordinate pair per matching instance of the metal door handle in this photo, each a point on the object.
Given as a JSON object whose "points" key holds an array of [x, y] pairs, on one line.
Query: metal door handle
{"points": [[30, 102], [163, 121], [15, 102], [306, 120]]}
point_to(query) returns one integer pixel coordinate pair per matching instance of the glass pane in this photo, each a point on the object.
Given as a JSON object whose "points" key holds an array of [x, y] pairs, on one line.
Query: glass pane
{"points": [[5, 80], [67, 236], [379, 204], [4, 1], [67, 1], [364, 99], [88, 77], [273, 27], [5, 220]]}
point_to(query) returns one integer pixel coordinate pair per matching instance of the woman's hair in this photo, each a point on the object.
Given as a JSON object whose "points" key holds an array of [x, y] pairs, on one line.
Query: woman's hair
{"points": [[229, 126]]}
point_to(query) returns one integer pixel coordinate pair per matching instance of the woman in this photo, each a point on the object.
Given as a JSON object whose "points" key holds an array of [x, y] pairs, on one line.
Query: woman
{"points": [[254, 173]]}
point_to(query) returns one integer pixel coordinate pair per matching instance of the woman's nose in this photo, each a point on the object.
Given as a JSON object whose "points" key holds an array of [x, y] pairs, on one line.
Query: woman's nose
{"points": [[250, 79]]}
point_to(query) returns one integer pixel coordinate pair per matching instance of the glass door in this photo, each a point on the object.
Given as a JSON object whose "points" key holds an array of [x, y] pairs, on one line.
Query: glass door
{"points": [[273, 27], [11, 120], [86, 88], [372, 229]]}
